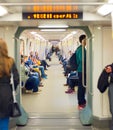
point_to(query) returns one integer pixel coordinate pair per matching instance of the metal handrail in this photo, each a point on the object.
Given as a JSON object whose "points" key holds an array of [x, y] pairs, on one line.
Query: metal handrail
{"points": [[55, 3], [88, 89], [83, 67]]}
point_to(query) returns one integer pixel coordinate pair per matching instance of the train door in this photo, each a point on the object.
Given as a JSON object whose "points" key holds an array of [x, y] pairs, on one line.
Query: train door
{"points": [[89, 73]]}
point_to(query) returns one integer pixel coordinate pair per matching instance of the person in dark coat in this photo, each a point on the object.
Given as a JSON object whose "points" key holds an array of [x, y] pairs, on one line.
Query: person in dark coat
{"points": [[7, 65], [109, 70]]}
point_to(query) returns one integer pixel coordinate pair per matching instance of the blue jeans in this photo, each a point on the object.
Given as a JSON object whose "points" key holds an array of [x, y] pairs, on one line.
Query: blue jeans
{"points": [[32, 83], [4, 123], [64, 65], [41, 68], [81, 90]]}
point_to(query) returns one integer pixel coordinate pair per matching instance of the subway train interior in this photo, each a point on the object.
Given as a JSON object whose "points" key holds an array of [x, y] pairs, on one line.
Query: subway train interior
{"points": [[38, 26]]}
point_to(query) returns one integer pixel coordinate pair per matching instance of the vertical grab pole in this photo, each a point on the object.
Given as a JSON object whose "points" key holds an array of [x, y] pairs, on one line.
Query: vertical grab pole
{"points": [[23, 119], [88, 89], [83, 67], [86, 113]]}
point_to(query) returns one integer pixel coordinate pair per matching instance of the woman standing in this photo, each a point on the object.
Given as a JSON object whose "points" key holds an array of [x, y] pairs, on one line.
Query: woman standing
{"points": [[7, 65]]}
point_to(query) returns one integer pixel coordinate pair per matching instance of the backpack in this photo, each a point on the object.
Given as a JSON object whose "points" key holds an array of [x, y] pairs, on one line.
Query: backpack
{"points": [[103, 81], [73, 62]]}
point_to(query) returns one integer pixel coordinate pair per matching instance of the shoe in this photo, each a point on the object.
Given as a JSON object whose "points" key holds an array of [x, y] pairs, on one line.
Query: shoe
{"points": [[28, 91], [41, 85], [65, 84], [65, 74], [80, 107], [45, 69], [35, 92], [44, 77], [69, 91]]}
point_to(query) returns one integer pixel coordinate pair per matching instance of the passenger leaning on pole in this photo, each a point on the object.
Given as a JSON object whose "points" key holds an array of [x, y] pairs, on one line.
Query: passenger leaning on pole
{"points": [[81, 61]]}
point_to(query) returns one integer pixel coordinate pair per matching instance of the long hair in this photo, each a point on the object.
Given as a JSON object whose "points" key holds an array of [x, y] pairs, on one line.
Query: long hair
{"points": [[5, 61]]}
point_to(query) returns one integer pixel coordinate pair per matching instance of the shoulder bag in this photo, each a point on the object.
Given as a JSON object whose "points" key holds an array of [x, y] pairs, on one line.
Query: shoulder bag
{"points": [[15, 108]]}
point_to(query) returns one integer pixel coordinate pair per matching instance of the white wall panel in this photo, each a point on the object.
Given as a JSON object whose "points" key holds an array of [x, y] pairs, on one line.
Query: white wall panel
{"points": [[102, 55], [7, 33]]}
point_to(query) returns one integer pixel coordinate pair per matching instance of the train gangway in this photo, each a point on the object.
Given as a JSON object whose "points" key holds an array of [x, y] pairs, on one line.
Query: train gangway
{"points": [[52, 108]]}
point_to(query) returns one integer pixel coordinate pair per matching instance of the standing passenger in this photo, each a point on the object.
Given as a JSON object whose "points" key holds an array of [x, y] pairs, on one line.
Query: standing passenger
{"points": [[7, 65], [109, 69], [81, 88]]}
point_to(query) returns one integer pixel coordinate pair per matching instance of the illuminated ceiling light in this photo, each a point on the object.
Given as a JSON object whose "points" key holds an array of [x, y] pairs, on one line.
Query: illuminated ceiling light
{"points": [[3, 11], [33, 32], [105, 9], [110, 1], [53, 26], [99, 28], [37, 36], [69, 35], [53, 30], [74, 32]]}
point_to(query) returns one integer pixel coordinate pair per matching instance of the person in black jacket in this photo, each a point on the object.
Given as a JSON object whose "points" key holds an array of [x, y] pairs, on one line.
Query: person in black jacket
{"points": [[109, 70], [7, 65]]}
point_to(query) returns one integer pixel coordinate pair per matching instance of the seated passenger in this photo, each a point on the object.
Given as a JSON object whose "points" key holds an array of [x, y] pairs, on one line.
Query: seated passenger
{"points": [[45, 64], [41, 62], [33, 63], [71, 64], [23, 72], [72, 81], [27, 77], [32, 83], [48, 56]]}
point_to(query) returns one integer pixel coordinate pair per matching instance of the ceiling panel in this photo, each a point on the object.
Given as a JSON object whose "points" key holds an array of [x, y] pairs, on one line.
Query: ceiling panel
{"points": [[49, 1], [70, 5]]}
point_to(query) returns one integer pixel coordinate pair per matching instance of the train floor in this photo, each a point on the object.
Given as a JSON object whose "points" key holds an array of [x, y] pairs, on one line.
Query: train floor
{"points": [[52, 108]]}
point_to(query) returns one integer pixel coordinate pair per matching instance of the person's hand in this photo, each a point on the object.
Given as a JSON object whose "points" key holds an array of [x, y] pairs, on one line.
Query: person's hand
{"points": [[108, 69]]}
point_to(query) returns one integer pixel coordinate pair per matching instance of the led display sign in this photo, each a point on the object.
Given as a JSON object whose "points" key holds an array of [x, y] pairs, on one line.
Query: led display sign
{"points": [[53, 15]]}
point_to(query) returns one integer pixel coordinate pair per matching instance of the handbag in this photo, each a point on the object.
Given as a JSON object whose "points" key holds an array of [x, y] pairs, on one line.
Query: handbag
{"points": [[73, 77], [14, 106], [103, 81]]}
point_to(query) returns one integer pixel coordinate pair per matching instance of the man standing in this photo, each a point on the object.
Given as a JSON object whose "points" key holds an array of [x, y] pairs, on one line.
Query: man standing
{"points": [[109, 70], [81, 68]]}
